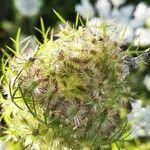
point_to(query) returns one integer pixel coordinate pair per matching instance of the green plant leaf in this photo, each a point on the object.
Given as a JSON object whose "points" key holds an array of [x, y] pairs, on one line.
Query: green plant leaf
{"points": [[60, 17]]}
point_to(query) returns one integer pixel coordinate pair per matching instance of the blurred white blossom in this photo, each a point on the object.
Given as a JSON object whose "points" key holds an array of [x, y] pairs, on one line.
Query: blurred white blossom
{"points": [[103, 8], [127, 11], [136, 23], [140, 119], [94, 25], [85, 9], [127, 33], [143, 35], [129, 17], [142, 11], [117, 3], [28, 7], [146, 82]]}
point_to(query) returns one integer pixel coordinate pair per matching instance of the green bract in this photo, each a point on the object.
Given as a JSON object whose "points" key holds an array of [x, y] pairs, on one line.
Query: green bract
{"points": [[66, 94]]}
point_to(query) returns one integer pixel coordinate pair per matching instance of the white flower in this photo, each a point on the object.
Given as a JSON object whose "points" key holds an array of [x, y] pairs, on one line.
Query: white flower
{"points": [[79, 45], [130, 17], [127, 33], [146, 82], [136, 23], [144, 36], [123, 24], [117, 3], [136, 106], [122, 33], [140, 120], [119, 17], [141, 11], [127, 10], [85, 9], [28, 7], [94, 25], [103, 8]]}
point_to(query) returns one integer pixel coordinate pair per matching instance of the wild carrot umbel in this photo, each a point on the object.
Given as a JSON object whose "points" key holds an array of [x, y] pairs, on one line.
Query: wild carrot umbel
{"points": [[67, 93]]}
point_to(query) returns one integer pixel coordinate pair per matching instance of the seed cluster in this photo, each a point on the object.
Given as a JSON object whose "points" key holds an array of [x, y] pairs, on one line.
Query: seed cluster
{"points": [[73, 85]]}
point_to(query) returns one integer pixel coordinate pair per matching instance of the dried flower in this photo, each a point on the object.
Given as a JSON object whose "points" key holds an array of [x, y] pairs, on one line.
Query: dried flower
{"points": [[68, 94]]}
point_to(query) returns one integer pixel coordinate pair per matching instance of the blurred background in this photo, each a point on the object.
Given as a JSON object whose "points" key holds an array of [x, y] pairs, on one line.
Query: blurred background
{"points": [[134, 15], [26, 13]]}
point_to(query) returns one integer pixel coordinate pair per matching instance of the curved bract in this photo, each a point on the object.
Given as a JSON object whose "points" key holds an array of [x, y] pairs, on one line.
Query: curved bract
{"points": [[67, 93]]}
